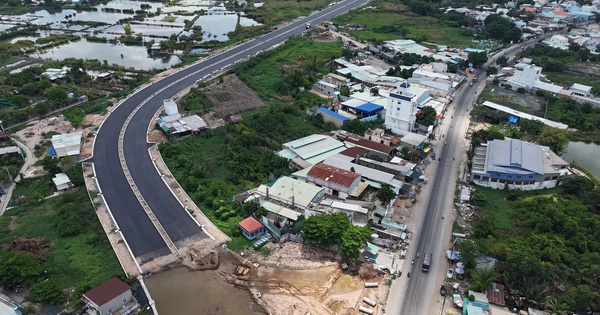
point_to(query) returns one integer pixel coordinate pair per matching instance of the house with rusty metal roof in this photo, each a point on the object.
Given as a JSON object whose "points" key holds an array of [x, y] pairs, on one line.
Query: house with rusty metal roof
{"points": [[336, 181], [112, 297]]}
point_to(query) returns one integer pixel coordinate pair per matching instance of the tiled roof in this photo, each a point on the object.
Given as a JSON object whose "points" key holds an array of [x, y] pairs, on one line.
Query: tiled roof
{"points": [[354, 151], [560, 12], [529, 9], [250, 224], [371, 145], [333, 174], [106, 291]]}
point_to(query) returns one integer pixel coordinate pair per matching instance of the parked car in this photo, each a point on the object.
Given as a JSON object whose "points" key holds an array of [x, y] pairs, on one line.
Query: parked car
{"points": [[450, 273]]}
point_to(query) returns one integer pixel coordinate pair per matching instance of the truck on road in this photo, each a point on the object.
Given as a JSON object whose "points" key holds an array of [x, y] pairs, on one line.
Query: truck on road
{"points": [[426, 262], [307, 25]]}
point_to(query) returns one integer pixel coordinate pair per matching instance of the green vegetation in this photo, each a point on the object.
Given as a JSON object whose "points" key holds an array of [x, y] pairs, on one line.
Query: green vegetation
{"points": [[387, 20], [58, 239], [506, 99], [427, 116], [547, 242], [279, 73], [274, 12], [335, 229], [75, 115]]}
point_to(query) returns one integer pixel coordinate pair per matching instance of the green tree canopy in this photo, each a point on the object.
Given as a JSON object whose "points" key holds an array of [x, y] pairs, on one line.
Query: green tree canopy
{"points": [[385, 193], [352, 241], [427, 116], [325, 229], [555, 138], [478, 58]]}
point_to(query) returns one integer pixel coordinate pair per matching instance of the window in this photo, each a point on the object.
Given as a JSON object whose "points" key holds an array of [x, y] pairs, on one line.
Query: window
{"points": [[518, 176]]}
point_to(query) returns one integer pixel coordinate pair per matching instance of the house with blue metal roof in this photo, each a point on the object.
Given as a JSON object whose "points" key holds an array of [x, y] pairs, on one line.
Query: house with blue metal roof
{"points": [[518, 165], [333, 117]]}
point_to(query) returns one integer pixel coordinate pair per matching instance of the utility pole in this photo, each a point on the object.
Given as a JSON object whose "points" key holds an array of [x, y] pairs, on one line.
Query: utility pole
{"points": [[546, 109]]}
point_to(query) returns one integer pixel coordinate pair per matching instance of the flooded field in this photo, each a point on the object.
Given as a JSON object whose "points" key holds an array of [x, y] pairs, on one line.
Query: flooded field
{"points": [[214, 19], [584, 154], [183, 292], [127, 56]]}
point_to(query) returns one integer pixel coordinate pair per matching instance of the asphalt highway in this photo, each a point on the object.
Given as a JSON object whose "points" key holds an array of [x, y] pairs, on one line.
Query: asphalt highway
{"points": [[141, 235], [434, 234]]}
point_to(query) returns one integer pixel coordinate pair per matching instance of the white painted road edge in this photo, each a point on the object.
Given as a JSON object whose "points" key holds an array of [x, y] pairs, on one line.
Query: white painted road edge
{"points": [[140, 278]]}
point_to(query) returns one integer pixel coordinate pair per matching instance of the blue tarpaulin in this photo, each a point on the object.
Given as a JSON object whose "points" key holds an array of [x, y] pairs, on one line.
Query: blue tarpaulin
{"points": [[369, 108], [51, 151], [513, 119]]}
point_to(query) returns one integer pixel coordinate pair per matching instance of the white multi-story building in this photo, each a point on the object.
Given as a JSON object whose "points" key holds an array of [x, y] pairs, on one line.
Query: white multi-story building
{"points": [[401, 111], [525, 75]]}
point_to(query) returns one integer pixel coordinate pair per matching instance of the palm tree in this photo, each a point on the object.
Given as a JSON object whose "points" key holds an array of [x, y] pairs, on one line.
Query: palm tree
{"points": [[556, 307]]}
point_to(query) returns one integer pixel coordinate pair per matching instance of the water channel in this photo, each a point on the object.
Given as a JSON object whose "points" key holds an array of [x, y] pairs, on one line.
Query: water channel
{"points": [[184, 292], [584, 154]]}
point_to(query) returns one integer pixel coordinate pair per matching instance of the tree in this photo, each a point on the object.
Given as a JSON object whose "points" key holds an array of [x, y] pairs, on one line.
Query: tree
{"points": [[478, 58], [577, 185], [555, 138], [583, 296], [405, 153], [452, 67], [325, 229], [385, 193], [352, 241], [374, 91], [345, 90], [483, 278], [18, 268], [57, 96], [491, 70], [502, 61], [127, 29], [427, 116], [467, 250]]}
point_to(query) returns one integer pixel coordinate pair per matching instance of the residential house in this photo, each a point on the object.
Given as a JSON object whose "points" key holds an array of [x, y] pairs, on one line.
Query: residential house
{"points": [[112, 297], [413, 141], [379, 135], [62, 182], [517, 164], [336, 79], [251, 228], [326, 88], [66, 145], [580, 89], [291, 192], [336, 181], [376, 149], [176, 125]]}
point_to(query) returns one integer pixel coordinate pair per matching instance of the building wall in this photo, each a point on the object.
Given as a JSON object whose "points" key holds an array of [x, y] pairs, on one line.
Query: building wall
{"points": [[527, 75], [333, 188], [336, 121], [116, 304], [325, 88], [486, 182], [400, 115], [254, 234]]}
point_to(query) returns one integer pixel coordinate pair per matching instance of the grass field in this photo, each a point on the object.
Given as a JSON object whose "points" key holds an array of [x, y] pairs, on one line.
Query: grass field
{"points": [[79, 261], [503, 210], [515, 101], [276, 11], [419, 28], [265, 72], [569, 79]]}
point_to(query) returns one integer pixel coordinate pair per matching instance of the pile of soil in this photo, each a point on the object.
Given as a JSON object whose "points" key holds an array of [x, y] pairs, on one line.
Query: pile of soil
{"points": [[35, 246]]}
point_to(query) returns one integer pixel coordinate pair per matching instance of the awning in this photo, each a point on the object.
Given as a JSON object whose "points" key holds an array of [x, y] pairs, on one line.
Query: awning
{"points": [[360, 188]]}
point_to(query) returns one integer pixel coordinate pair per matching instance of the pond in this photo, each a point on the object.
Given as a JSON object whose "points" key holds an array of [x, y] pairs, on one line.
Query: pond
{"points": [[216, 23], [584, 154], [128, 56], [184, 292]]}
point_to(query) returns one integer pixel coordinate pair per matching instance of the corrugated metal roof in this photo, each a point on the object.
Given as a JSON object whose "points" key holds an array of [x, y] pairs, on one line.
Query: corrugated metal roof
{"points": [[495, 294], [333, 174]]}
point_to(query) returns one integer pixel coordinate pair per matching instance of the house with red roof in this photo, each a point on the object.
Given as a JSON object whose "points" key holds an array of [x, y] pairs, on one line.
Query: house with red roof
{"points": [[251, 228], [112, 297], [336, 181]]}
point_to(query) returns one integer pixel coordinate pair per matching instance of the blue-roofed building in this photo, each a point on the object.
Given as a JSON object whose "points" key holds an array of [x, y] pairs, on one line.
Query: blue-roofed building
{"points": [[333, 117], [361, 109], [518, 164]]}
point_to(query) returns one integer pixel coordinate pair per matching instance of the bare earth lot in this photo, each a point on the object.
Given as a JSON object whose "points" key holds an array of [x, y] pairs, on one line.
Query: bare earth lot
{"points": [[232, 96]]}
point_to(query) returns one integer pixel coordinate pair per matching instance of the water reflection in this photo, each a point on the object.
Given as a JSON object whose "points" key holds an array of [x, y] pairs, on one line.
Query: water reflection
{"points": [[584, 154], [133, 56]]}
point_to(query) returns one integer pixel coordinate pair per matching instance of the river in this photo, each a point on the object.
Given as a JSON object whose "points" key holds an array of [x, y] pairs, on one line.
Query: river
{"points": [[184, 292], [584, 154]]}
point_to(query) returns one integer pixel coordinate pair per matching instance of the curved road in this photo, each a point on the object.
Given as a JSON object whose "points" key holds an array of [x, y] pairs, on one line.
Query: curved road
{"points": [[141, 235], [421, 289]]}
